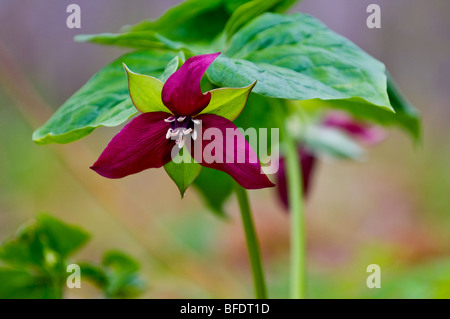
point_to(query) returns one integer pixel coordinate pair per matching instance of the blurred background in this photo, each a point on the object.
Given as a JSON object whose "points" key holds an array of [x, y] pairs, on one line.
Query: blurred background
{"points": [[392, 210]]}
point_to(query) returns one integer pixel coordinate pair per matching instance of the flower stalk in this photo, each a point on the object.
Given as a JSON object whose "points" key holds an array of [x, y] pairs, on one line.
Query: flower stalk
{"points": [[252, 243], [297, 224]]}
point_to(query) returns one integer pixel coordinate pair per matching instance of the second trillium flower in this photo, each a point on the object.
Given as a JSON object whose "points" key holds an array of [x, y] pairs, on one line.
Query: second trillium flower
{"points": [[175, 113]]}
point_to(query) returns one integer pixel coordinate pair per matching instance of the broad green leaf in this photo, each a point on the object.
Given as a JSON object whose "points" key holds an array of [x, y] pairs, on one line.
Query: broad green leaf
{"points": [[406, 118], [62, 238], [193, 25], [183, 171], [136, 40], [192, 21], [249, 10], [103, 101], [302, 45], [145, 92], [36, 258], [297, 57], [228, 102], [331, 142], [215, 187]]}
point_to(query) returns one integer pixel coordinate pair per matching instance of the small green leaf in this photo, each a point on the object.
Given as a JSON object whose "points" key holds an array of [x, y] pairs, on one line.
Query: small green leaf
{"points": [[228, 102], [62, 238], [215, 187], [183, 170], [94, 274], [103, 101], [120, 261], [117, 276], [145, 92], [123, 279]]}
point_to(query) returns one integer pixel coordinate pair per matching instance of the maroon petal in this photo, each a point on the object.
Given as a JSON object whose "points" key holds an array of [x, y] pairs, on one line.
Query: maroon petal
{"points": [[232, 154], [182, 93], [141, 144], [308, 163], [367, 134]]}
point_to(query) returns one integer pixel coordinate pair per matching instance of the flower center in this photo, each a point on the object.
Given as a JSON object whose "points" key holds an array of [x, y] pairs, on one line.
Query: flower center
{"points": [[181, 127]]}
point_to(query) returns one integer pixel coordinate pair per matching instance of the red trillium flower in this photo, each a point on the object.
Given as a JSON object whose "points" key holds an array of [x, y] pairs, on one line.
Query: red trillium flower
{"points": [[366, 134], [175, 113], [307, 164]]}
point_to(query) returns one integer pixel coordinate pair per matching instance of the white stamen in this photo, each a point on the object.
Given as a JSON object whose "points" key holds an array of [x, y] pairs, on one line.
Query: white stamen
{"points": [[187, 131], [180, 132], [169, 134], [181, 143], [170, 119]]}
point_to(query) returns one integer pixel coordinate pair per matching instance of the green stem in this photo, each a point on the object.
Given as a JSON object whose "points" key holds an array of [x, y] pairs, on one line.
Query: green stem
{"points": [[252, 243], [295, 196]]}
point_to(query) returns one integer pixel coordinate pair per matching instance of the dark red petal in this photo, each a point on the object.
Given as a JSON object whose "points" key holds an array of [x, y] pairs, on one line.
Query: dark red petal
{"points": [[367, 134], [248, 173], [141, 144], [308, 163], [182, 93]]}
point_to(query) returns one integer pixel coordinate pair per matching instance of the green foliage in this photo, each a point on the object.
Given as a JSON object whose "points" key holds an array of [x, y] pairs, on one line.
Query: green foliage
{"points": [[34, 263], [117, 275]]}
